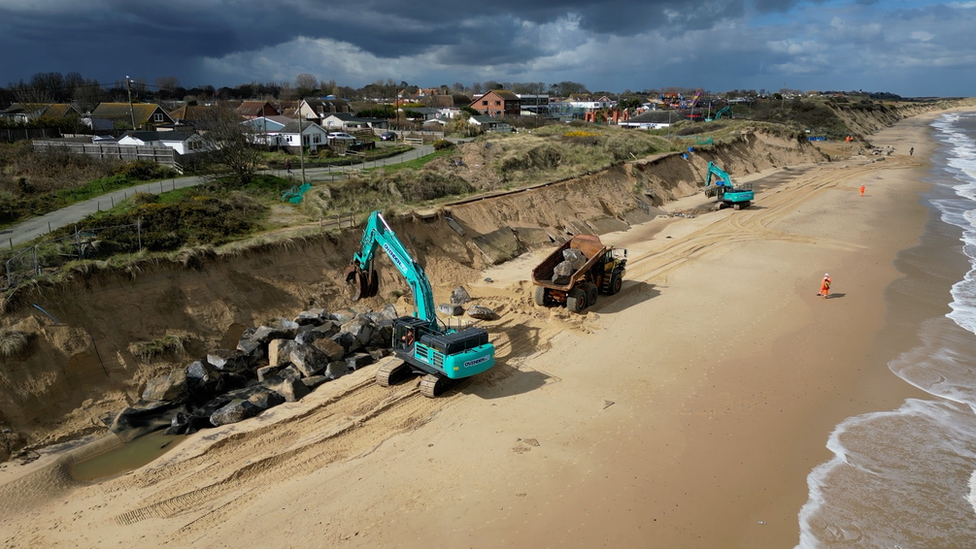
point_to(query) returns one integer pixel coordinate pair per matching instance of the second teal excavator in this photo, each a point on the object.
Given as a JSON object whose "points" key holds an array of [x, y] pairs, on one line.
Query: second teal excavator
{"points": [[422, 342], [728, 194]]}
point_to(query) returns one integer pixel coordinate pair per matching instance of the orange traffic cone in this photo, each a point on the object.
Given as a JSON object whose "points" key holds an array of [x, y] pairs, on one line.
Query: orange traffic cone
{"points": [[862, 190]]}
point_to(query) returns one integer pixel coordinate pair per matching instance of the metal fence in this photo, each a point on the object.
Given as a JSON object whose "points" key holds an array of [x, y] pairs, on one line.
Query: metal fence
{"points": [[52, 254]]}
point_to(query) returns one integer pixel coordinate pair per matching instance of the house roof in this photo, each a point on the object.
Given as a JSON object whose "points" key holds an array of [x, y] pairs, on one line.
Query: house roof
{"points": [[655, 117], [48, 110], [147, 136], [140, 111], [254, 108], [505, 94], [292, 127]]}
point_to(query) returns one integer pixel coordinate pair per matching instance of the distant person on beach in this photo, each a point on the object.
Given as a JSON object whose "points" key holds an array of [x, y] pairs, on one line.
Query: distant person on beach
{"points": [[911, 151], [825, 286]]}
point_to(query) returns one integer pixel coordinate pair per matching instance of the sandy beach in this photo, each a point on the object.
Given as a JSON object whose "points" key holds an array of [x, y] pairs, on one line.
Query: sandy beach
{"points": [[686, 411]]}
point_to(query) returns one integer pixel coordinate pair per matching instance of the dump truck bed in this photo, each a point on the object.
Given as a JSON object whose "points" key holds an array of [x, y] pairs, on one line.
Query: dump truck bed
{"points": [[592, 248]]}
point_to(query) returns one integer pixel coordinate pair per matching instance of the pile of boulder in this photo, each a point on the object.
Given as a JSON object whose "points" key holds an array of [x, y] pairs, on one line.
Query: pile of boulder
{"points": [[271, 365], [573, 260]]}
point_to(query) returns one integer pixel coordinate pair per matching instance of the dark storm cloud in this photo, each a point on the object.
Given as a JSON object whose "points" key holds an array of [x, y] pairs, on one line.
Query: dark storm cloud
{"points": [[117, 34]]}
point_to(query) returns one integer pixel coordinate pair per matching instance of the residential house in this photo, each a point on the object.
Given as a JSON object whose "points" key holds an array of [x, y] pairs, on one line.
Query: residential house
{"points": [[498, 103], [489, 124], [183, 143], [317, 109], [257, 109], [313, 136], [145, 116], [203, 117], [266, 130], [347, 121], [21, 113]]}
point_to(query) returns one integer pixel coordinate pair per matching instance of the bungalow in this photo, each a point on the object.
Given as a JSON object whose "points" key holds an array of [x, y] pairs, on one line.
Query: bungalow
{"points": [[146, 116], [266, 130], [317, 109], [489, 124], [256, 109], [180, 142], [21, 113], [346, 121], [651, 120], [313, 136]]}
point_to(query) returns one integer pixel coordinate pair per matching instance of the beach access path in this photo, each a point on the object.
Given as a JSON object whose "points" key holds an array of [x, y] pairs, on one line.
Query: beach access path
{"points": [[43, 224]]}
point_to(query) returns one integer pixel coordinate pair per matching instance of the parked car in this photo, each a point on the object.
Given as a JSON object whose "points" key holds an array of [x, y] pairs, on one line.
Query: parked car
{"points": [[340, 135], [388, 136]]}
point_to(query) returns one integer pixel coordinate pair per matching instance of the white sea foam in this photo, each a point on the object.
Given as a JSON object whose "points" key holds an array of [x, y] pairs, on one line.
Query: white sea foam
{"points": [[907, 477]]}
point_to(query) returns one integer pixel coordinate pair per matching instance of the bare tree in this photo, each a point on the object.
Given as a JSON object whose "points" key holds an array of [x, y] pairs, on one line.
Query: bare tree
{"points": [[167, 83], [233, 147], [306, 84]]}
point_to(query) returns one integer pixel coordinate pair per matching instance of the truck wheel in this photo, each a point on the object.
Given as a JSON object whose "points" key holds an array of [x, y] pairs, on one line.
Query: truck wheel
{"points": [[616, 282], [540, 296], [591, 293], [576, 300]]}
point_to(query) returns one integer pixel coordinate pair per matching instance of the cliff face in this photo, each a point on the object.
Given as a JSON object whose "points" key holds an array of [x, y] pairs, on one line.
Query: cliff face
{"points": [[79, 364]]}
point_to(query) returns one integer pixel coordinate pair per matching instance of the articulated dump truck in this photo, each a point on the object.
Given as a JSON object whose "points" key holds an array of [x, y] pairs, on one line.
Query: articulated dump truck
{"points": [[577, 271]]}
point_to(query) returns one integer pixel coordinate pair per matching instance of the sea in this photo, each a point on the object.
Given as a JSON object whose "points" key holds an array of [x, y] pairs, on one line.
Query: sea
{"points": [[906, 477]]}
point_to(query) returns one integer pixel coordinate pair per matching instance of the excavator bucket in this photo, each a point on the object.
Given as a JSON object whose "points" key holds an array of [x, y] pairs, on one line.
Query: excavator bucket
{"points": [[362, 284]]}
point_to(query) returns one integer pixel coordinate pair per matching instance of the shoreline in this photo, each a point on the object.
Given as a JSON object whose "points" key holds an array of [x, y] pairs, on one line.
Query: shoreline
{"points": [[686, 411]]}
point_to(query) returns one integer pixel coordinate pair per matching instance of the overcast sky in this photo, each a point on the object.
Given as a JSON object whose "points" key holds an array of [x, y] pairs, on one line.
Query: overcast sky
{"points": [[908, 47]]}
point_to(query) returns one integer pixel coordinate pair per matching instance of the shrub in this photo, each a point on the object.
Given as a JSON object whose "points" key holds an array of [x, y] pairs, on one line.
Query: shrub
{"points": [[147, 351], [12, 342], [443, 144], [144, 170]]}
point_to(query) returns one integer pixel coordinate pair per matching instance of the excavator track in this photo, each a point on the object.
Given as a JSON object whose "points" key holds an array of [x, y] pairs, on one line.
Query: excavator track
{"points": [[433, 385], [392, 371]]}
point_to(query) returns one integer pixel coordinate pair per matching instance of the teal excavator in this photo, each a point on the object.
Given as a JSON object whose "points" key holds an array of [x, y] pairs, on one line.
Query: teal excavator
{"points": [[726, 191], [422, 342]]}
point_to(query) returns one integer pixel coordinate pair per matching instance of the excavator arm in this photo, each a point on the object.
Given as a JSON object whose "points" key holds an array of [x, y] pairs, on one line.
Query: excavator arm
{"points": [[362, 277], [722, 175]]}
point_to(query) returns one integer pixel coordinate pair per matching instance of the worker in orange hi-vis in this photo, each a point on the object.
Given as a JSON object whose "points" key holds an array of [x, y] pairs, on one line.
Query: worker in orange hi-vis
{"points": [[862, 190], [825, 286]]}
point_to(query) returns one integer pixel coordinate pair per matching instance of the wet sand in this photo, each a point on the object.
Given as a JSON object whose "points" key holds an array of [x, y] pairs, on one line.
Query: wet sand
{"points": [[686, 411]]}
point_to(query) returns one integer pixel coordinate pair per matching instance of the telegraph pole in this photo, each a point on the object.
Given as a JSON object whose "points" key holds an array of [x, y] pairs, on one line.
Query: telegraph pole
{"points": [[132, 115], [301, 139]]}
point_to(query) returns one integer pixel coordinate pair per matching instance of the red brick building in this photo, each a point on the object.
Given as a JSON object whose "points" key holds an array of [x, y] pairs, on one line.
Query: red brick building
{"points": [[498, 103]]}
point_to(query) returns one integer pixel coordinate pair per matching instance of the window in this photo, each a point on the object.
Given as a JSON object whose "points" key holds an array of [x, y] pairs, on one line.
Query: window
{"points": [[158, 117], [484, 103], [498, 102]]}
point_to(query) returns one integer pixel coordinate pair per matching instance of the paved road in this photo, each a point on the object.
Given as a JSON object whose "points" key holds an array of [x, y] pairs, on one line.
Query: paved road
{"points": [[38, 226]]}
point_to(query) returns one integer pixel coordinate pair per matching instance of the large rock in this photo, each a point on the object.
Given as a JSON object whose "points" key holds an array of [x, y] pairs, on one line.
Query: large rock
{"points": [[346, 340], [144, 417], [166, 387], [292, 390], [202, 379], [265, 372], [233, 412], [382, 335], [313, 317], [387, 313], [253, 351], [308, 359], [330, 348], [335, 370], [328, 329], [279, 351], [264, 334], [313, 382], [228, 360], [265, 399], [450, 309], [460, 296], [361, 329], [358, 360], [482, 313], [343, 316]]}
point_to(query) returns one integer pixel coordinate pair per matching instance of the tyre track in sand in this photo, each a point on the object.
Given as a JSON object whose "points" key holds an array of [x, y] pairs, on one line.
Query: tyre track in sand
{"points": [[751, 224], [284, 451]]}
